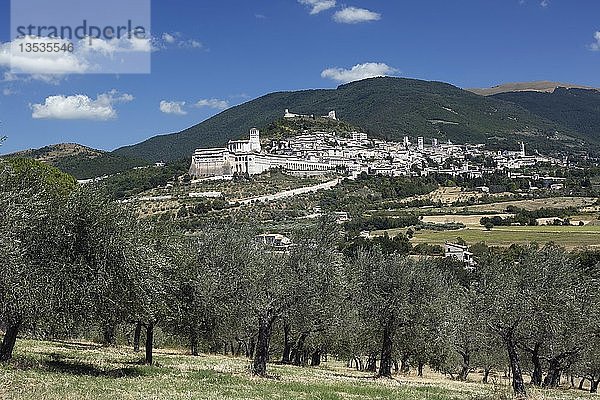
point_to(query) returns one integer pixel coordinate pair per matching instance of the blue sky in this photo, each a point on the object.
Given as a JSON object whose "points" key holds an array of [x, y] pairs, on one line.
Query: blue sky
{"points": [[209, 55]]}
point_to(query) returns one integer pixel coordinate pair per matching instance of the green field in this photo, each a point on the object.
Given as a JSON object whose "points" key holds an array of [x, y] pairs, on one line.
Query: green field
{"points": [[570, 237], [567, 236], [49, 370]]}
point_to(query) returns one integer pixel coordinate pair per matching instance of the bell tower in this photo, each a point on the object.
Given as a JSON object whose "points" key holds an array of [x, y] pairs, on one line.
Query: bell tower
{"points": [[255, 140]]}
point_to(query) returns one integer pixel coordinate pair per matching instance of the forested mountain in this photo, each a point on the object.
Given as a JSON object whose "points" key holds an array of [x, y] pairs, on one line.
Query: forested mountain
{"points": [[385, 107], [577, 109]]}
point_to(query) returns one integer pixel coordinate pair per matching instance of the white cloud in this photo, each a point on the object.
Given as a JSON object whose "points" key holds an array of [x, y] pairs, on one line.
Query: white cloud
{"points": [[176, 39], [212, 103], [167, 37], [596, 45], [109, 48], [87, 56], [191, 43], [353, 15], [47, 63], [80, 107], [49, 79], [358, 72], [8, 77], [318, 5], [173, 107], [545, 3], [7, 92]]}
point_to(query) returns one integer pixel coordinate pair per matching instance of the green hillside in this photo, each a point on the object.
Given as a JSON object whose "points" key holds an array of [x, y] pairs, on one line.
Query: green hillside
{"points": [[283, 127], [80, 161], [577, 109], [388, 108]]}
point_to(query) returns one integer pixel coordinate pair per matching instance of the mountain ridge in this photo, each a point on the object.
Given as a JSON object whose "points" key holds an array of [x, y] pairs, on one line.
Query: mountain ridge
{"points": [[534, 86], [81, 161], [574, 108], [387, 108]]}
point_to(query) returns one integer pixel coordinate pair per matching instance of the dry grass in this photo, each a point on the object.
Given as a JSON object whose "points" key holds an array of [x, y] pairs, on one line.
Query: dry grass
{"points": [[45, 370]]}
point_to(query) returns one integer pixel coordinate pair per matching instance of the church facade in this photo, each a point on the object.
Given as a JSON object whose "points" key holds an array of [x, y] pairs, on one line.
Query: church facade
{"points": [[246, 157]]}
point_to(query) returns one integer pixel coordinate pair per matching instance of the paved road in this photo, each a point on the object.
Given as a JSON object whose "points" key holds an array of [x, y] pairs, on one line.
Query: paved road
{"points": [[288, 193]]}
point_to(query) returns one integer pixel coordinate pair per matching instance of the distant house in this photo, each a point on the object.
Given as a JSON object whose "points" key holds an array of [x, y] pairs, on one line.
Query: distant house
{"points": [[359, 136], [341, 217], [275, 240], [460, 253]]}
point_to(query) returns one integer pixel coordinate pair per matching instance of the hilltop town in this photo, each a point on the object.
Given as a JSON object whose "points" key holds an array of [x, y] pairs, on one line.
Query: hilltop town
{"points": [[314, 152]]}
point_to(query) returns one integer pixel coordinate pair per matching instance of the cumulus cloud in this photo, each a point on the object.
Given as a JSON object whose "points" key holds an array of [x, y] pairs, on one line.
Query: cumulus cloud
{"points": [[88, 55], [353, 15], [7, 92], [358, 72], [317, 6], [47, 63], [173, 107], [545, 3], [212, 103], [80, 107]]}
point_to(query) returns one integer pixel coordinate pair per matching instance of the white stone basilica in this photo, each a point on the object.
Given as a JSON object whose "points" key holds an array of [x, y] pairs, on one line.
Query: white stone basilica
{"points": [[246, 157]]}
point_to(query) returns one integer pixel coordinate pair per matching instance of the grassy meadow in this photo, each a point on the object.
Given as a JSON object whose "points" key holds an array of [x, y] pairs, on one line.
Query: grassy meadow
{"points": [[77, 370]]}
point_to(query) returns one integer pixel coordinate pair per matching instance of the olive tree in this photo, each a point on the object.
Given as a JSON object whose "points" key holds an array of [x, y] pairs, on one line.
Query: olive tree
{"points": [[120, 264], [294, 280], [397, 297], [30, 239], [535, 299]]}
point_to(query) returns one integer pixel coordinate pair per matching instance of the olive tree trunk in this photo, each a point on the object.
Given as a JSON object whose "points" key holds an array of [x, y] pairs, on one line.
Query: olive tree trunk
{"points": [[149, 342], [385, 366], [261, 353], [517, 375], [8, 343], [466, 365], [536, 377], [287, 346], [136, 336]]}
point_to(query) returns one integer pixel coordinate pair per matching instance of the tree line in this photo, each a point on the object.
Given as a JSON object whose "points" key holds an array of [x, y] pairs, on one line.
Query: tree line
{"points": [[75, 261]]}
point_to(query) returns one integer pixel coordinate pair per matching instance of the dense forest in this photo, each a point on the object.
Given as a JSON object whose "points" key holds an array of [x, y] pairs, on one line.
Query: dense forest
{"points": [[577, 109], [77, 262]]}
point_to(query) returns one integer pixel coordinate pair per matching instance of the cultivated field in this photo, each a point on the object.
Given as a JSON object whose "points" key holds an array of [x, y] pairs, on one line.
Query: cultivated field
{"points": [[570, 237], [45, 370], [448, 195], [530, 205]]}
